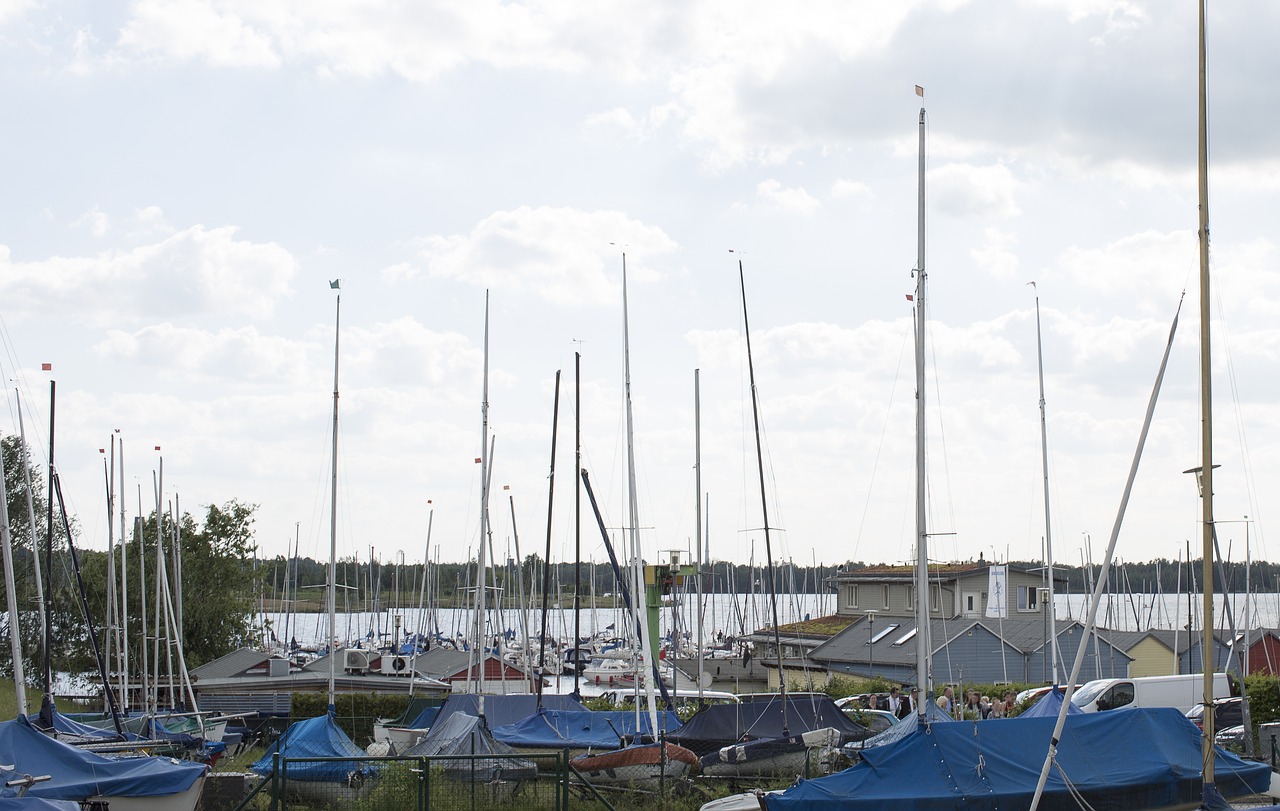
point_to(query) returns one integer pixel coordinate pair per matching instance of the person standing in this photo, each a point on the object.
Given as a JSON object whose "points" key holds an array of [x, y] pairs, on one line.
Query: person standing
{"points": [[947, 701], [896, 705]]}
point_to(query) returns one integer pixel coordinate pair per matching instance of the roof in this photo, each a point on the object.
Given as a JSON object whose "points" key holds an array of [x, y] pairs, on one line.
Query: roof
{"points": [[232, 664], [938, 572], [819, 626], [1024, 636]]}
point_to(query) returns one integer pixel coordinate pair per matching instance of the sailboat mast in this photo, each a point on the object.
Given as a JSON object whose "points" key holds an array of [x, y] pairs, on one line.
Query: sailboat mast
{"points": [[11, 595], [1206, 408], [577, 524], [764, 503], [1048, 533], [332, 588], [697, 523], [924, 674], [633, 529], [478, 634]]}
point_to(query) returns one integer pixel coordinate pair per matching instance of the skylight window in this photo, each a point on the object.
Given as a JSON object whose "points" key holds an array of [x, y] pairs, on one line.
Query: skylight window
{"points": [[908, 636], [888, 630]]}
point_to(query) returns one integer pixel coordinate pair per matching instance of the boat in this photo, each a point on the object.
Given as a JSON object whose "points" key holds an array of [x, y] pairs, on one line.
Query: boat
{"points": [[330, 781], [1126, 759], [453, 743], [586, 733], [81, 776], [640, 766], [805, 755], [724, 725]]}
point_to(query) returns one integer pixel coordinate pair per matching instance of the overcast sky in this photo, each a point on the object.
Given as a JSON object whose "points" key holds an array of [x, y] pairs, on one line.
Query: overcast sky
{"points": [[182, 178]]}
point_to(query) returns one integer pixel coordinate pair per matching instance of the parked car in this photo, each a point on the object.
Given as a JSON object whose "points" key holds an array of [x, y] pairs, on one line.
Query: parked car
{"points": [[1231, 738], [875, 720], [1227, 712]]}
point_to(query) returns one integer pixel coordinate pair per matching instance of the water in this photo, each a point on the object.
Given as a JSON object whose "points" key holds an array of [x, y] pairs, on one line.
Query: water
{"points": [[727, 613], [738, 615]]}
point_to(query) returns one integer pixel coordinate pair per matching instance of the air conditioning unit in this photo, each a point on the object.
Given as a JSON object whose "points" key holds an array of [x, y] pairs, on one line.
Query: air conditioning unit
{"points": [[397, 665], [355, 660]]}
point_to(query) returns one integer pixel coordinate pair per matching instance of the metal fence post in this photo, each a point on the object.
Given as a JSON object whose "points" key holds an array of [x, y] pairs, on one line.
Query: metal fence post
{"points": [[284, 780], [275, 777], [422, 784]]}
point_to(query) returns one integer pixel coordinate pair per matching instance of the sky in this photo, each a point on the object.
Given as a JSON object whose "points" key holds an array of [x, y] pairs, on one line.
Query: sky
{"points": [[183, 178]]}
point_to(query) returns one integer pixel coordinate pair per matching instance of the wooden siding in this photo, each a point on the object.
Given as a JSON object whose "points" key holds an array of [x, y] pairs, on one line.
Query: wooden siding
{"points": [[975, 656], [1264, 656], [1112, 663], [1151, 658]]}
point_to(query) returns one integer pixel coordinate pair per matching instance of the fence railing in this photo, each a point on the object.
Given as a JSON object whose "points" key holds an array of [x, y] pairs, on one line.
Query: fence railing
{"points": [[469, 782]]}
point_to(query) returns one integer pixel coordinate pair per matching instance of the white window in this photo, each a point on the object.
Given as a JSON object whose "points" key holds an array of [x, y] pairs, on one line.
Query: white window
{"points": [[935, 600], [884, 597], [902, 640], [1027, 598], [851, 597]]}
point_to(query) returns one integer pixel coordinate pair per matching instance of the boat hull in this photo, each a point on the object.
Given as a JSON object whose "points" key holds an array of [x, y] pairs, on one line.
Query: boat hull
{"points": [[637, 766], [182, 801]]}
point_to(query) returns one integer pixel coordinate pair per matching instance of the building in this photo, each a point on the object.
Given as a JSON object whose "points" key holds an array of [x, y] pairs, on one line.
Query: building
{"points": [[956, 590], [878, 606]]}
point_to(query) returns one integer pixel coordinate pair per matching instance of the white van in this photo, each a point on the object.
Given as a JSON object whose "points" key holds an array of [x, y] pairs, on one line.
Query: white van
{"points": [[1180, 692]]}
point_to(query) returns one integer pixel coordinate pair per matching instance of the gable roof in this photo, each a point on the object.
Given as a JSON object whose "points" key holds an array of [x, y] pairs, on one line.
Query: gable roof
{"points": [[232, 664]]}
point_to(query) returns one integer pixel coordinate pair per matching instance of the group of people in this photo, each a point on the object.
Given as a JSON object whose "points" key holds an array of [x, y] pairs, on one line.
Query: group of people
{"points": [[974, 707]]}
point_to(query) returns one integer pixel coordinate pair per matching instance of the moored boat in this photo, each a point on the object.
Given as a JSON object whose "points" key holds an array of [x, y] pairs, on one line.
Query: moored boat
{"points": [[639, 766]]}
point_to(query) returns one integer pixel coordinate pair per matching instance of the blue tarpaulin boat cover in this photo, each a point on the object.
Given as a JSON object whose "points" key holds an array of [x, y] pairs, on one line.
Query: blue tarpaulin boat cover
{"points": [[502, 710], [78, 775], [724, 724], [1049, 705], [1124, 759], [316, 737], [424, 719], [581, 728]]}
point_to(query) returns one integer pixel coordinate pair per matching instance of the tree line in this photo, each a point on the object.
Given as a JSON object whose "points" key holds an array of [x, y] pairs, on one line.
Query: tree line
{"points": [[216, 578]]}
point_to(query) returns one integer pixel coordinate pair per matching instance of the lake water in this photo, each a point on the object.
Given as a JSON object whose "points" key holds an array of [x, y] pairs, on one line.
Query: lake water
{"points": [[736, 615]]}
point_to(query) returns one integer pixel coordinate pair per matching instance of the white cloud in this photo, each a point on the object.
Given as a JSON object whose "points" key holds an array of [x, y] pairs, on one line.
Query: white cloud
{"points": [[191, 29], [195, 272], [843, 189], [967, 191], [190, 354], [95, 220], [796, 199], [558, 254], [1156, 263], [12, 9], [997, 256]]}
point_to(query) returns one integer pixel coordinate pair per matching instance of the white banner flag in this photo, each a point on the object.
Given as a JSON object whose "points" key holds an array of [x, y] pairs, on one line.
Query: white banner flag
{"points": [[997, 597]]}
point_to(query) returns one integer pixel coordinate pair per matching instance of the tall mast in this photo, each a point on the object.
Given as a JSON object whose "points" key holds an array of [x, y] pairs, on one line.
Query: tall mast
{"points": [[48, 553], [1206, 411], [1048, 532], [124, 597], [924, 674], [11, 594], [331, 590], [697, 522], [764, 503], [577, 522], [478, 642], [633, 528]]}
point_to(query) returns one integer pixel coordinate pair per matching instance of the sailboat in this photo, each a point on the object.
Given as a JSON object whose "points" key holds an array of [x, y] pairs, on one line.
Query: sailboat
{"points": [[332, 779]]}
